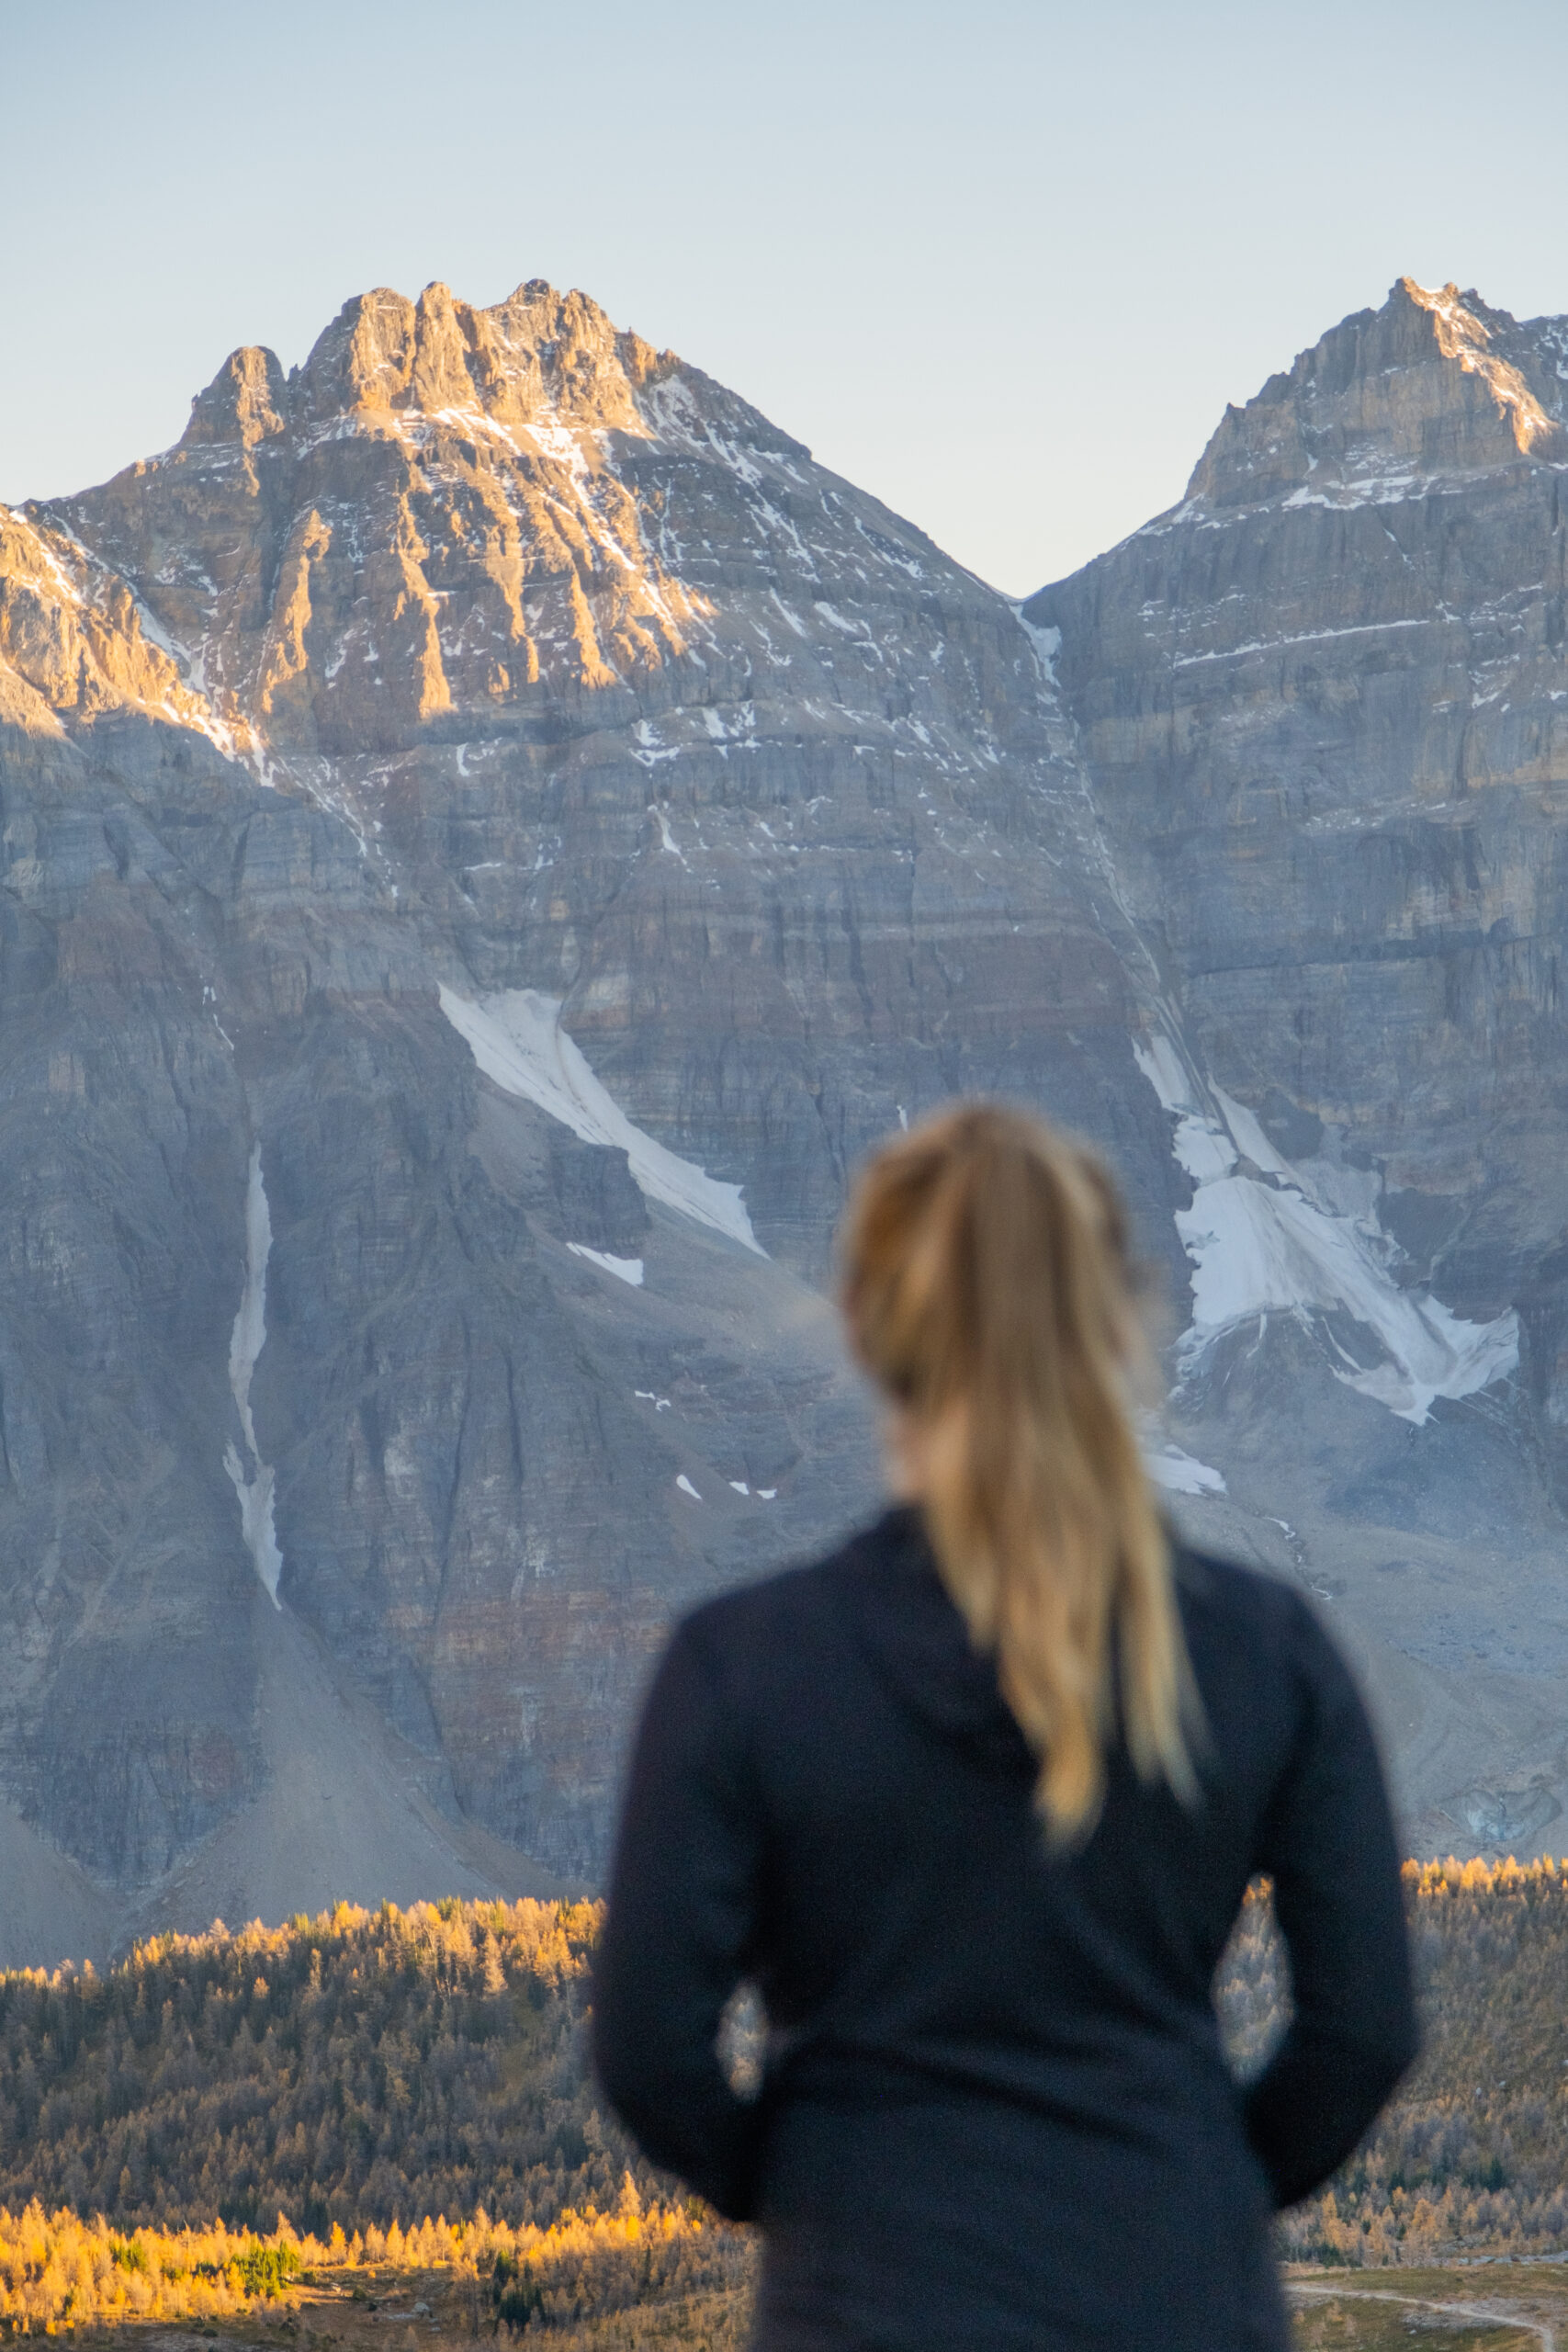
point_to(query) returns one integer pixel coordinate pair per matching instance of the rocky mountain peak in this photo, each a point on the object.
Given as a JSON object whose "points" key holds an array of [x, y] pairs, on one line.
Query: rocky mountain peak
{"points": [[1505, 356], [423, 1151], [1324, 708], [538, 358], [247, 401], [432, 513], [1433, 384]]}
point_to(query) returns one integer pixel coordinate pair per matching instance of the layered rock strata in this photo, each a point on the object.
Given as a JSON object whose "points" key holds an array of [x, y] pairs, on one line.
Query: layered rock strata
{"points": [[1324, 704]]}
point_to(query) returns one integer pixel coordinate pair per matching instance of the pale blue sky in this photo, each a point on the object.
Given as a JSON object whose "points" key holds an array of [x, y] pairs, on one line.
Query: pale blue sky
{"points": [[1002, 264]]}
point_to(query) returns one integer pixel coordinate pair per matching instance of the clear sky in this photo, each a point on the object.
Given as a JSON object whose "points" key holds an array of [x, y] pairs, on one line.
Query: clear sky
{"points": [[1001, 262]]}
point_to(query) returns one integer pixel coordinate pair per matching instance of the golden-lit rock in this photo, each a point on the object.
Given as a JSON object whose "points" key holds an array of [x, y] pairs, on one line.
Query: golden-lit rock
{"points": [[71, 640], [494, 545]]}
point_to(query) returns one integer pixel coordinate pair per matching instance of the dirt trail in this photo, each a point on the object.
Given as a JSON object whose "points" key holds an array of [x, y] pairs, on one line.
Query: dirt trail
{"points": [[1540, 2329]]}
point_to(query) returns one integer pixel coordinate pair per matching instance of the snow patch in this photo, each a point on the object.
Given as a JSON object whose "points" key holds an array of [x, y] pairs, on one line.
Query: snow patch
{"points": [[687, 1489], [1047, 644], [254, 1487], [1303, 637], [628, 1268], [1181, 1473], [672, 847], [649, 750], [1383, 490], [1269, 1241], [516, 1038]]}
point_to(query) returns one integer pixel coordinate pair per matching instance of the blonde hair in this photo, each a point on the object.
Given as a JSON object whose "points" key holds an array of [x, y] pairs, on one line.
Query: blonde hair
{"points": [[988, 1290]]}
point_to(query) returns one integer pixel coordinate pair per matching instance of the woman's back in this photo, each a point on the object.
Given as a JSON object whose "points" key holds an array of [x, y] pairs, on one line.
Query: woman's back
{"points": [[996, 2108], [975, 1802]]}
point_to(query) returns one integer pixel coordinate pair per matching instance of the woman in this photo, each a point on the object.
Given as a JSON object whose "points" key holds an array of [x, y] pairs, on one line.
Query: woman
{"points": [[974, 1804]]}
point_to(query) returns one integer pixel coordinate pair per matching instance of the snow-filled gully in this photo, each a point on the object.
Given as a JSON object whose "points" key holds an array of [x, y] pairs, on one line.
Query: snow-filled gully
{"points": [[1273, 1241], [253, 1485], [516, 1038]]}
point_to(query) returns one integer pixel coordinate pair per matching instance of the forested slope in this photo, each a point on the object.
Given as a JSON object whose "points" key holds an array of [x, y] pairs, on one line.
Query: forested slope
{"points": [[1473, 2153], [408, 2089], [363, 2070], [359, 2068]]}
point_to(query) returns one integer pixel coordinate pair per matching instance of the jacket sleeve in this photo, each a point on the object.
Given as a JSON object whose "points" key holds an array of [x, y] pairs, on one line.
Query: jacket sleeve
{"points": [[1328, 1845], [683, 1899]]}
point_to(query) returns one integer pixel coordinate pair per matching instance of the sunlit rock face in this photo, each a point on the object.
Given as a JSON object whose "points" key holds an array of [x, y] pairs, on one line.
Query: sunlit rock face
{"points": [[421, 520], [493, 833]]}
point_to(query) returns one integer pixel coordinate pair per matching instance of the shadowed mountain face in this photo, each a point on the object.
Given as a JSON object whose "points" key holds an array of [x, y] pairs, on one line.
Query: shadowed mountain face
{"points": [[492, 833], [1325, 707]]}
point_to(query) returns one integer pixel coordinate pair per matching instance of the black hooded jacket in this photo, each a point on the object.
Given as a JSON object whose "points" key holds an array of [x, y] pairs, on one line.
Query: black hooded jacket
{"points": [[994, 2110]]}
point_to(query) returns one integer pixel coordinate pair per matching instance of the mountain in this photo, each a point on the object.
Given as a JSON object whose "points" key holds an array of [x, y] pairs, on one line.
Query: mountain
{"points": [[491, 831], [1324, 703]]}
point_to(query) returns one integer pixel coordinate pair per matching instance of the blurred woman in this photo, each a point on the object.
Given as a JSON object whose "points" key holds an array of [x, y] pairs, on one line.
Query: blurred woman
{"points": [[974, 1804]]}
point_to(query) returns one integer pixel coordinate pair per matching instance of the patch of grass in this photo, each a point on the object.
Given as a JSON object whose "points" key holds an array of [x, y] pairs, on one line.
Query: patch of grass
{"points": [[1463, 2307]]}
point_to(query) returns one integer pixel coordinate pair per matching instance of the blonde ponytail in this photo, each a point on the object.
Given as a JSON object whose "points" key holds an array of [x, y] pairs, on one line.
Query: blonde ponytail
{"points": [[986, 1290]]}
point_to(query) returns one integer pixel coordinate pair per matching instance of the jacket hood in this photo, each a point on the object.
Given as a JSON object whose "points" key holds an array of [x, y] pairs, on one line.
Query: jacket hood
{"points": [[919, 1645]]}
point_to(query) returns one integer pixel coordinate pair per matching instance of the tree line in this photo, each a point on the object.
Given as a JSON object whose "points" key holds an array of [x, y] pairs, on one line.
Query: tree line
{"points": [[357, 2070], [376, 2072], [1472, 2154], [58, 2272]]}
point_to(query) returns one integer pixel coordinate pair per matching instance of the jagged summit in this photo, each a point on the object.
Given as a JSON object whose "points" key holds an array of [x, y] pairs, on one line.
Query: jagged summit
{"points": [[538, 356], [245, 402], [1433, 383], [432, 513], [444, 513]]}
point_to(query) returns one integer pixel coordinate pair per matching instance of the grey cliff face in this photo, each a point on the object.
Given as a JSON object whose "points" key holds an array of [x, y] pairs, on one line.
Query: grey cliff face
{"points": [[1326, 699], [491, 832], [1324, 704]]}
